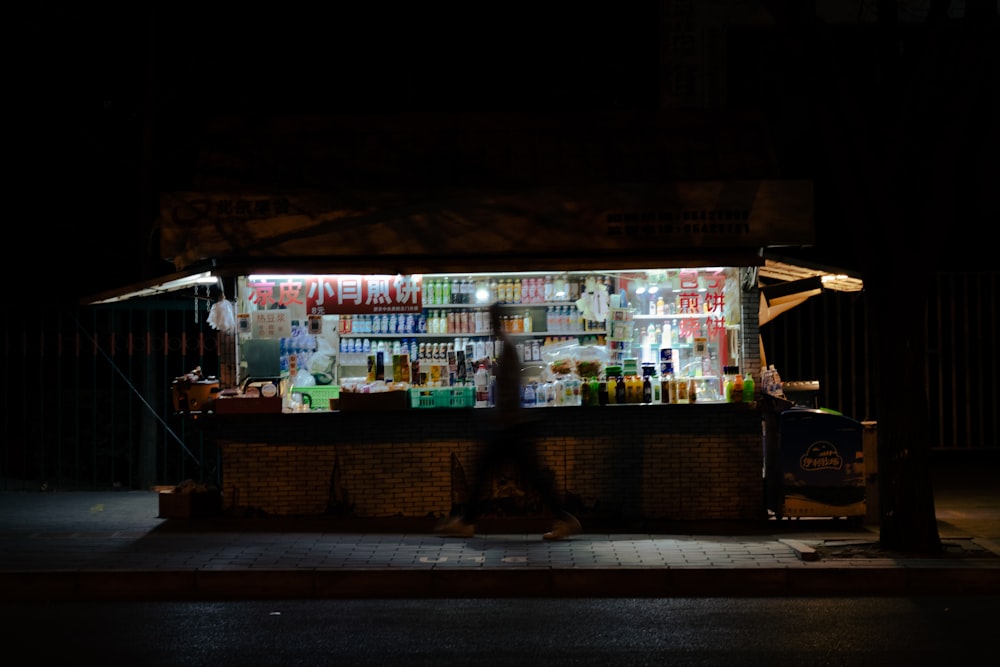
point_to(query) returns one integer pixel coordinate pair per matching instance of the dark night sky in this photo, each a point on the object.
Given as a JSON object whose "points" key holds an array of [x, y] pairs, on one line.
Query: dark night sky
{"points": [[108, 102], [93, 83]]}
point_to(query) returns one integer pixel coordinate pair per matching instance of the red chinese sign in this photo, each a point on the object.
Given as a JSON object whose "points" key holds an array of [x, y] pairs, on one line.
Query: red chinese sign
{"points": [[341, 294]]}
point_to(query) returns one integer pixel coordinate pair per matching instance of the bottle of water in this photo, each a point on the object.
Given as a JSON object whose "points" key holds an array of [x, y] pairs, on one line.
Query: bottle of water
{"points": [[528, 396]]}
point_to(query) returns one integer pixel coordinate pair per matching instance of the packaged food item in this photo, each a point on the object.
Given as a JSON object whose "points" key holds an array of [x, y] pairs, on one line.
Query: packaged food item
{"points": [[560, 357], [590, 360]]}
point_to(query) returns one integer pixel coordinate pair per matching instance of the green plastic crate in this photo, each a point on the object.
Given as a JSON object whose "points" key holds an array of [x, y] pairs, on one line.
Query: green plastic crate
{"points": [[457, 397], [318, 396], [441, 397], [423, 397]]}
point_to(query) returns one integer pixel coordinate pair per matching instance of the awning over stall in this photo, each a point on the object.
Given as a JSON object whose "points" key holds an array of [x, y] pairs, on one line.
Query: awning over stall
{"points": [[212, 236], [155, 287], [683, 224]]}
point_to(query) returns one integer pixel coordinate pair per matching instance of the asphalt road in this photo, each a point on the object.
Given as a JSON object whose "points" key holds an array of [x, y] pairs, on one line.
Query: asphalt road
{"points": [[486, 632]]}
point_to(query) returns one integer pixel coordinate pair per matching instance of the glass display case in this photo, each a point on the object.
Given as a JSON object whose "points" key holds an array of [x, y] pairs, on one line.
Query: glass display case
{"points": [[433, 330]]}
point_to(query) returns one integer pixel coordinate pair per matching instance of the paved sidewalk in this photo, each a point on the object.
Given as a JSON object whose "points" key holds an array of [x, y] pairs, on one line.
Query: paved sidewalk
{"points": [[112, 545]]}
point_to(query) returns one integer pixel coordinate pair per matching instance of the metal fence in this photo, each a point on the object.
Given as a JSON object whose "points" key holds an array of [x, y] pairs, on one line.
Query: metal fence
{"points": [[827, 339], [87, 399]]}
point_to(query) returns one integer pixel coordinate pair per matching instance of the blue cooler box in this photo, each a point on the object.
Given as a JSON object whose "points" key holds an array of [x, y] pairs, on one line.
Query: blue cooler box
{"points": [[822, 464]]}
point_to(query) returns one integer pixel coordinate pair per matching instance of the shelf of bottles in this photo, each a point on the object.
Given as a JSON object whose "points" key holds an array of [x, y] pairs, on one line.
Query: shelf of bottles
{"points": [[691, 319], [551, 318], [540, 309]]}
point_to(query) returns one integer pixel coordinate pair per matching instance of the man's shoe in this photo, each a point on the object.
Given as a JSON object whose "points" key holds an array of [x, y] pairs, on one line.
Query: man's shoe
{"points": [[563, 528], [455, 527]]}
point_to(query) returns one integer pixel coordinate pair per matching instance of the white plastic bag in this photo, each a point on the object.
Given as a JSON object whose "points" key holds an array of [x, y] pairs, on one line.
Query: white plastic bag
{"points": [[222, 316], [321, 363]]}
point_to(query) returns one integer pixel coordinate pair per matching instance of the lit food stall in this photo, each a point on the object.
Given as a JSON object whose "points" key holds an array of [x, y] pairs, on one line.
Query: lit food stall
{"points": [[363, 362]]}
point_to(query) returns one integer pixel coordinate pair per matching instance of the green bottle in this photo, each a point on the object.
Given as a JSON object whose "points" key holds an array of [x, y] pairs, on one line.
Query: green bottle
{"points": [[728, 386], [748, 387]]}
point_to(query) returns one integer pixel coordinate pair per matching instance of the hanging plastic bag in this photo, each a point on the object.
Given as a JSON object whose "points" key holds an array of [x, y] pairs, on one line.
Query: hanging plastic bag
{"points": [[222, 316]]}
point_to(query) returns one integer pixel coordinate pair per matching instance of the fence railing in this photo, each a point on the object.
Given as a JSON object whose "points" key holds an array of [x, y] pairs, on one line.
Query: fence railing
{"points": [[87, 403], [827, 339], [87, 398]]}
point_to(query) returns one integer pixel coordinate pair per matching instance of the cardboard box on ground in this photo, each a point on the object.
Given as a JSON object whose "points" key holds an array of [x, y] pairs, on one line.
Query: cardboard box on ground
{"points": [[188, 500]]}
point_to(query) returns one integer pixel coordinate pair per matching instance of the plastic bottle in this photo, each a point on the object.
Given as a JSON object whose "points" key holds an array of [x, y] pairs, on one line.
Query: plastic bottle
{"points": [[548, 393], [482, 381], [612, 385], [620, 388], [748, 388], [647, 390], [528, 396], [682, 389], [737, 387], [668, 387], [558, 397], [727, 386], [603, 398]]}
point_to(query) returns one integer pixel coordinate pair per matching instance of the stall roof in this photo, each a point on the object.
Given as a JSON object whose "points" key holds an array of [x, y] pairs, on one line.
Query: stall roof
{"points": [[612, 226], [444, 229], [769, 269], [780, 268], [154, 287]]}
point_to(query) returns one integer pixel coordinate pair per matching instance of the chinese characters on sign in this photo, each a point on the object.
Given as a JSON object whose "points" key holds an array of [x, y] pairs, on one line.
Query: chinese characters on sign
{"points": [[271, 324], [666, 224], [702, 292], [340, 294], [821, 455], [249, 208]]}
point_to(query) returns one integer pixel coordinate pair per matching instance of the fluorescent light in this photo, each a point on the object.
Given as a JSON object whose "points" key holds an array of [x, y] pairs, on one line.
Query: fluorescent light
{"points": [[204, 278]]}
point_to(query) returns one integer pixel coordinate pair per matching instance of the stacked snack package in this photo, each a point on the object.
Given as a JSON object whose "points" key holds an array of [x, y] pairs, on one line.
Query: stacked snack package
{"points": [[770, 382]]}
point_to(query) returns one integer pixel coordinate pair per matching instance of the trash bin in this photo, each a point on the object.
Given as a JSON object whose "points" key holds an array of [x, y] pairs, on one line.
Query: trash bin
{"points": [[822, 462]]}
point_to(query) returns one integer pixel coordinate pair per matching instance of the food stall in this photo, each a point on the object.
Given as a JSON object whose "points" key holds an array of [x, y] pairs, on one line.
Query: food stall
{"points": [[364, 357]]}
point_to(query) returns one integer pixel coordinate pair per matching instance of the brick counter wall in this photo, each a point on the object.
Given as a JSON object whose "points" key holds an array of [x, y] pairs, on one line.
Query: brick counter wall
{"points": [[651, 462]]}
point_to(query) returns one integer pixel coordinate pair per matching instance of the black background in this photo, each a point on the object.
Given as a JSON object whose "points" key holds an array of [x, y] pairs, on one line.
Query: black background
{"points": [[108, 103]]}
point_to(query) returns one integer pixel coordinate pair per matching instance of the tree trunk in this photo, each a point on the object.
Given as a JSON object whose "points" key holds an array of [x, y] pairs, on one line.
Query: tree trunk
{"points": [[867, 140], [908, 520]]}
